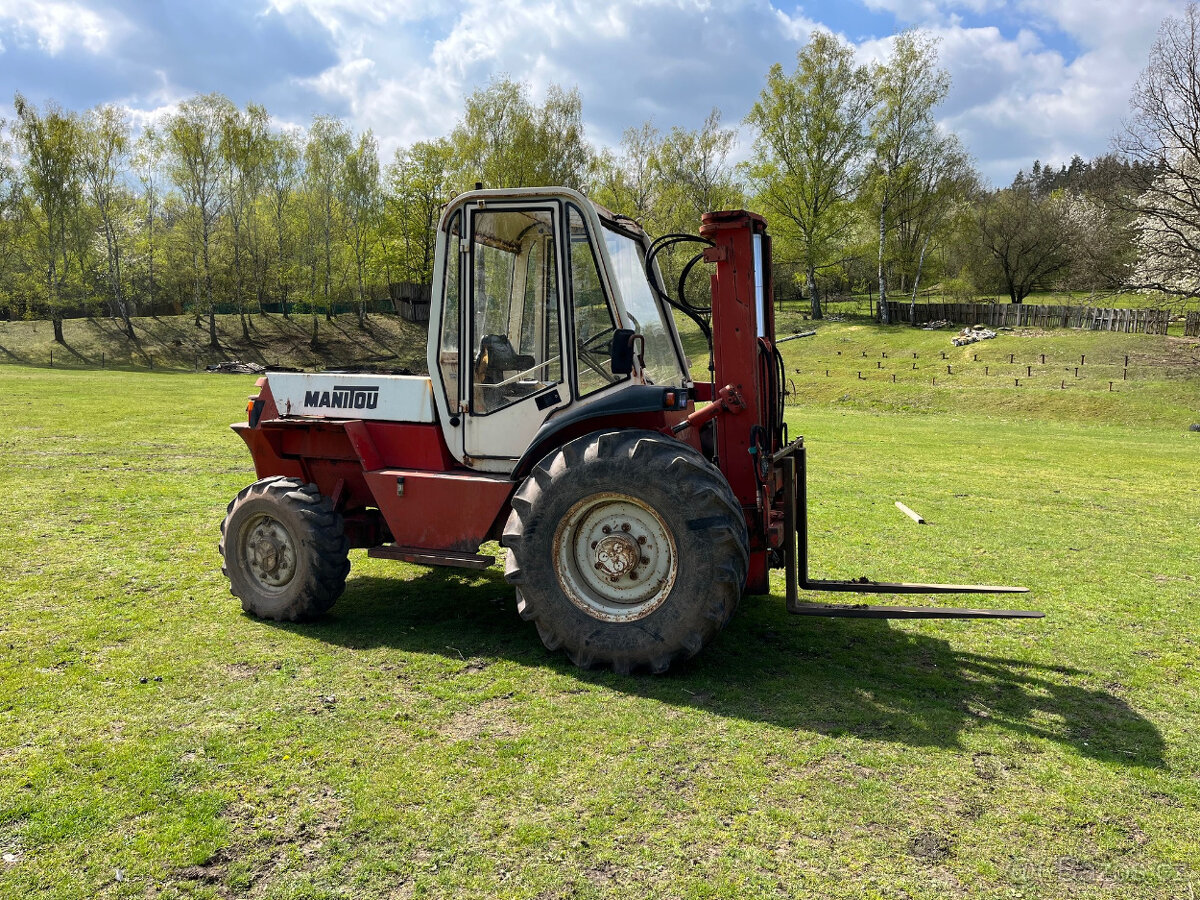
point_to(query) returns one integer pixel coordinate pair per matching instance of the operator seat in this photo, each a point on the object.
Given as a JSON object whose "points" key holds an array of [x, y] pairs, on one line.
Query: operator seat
{"points": [[497, 356]]}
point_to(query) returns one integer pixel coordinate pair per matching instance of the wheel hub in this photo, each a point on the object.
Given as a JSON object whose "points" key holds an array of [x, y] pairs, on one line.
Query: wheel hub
{"points": [[615, 557], [270, 554]]}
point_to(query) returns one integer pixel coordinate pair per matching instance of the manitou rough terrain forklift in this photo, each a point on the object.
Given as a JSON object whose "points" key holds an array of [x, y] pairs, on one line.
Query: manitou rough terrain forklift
{"points": [[559, 417]]}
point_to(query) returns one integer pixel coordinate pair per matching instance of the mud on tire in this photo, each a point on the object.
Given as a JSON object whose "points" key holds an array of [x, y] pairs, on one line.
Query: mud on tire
{"points": [[627, 549], [284, 550]]}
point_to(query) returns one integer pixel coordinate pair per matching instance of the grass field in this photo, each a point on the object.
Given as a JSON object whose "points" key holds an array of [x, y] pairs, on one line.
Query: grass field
{"points": [[420, 742]]}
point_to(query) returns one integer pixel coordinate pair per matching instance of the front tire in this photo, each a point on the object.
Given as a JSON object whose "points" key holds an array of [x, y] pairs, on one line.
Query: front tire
{"points": [[628, 549], [284, 550]]}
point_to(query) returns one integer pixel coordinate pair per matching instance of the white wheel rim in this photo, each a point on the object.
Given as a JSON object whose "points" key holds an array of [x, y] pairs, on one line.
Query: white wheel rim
{"points": [[268, 552], [615, 557]]}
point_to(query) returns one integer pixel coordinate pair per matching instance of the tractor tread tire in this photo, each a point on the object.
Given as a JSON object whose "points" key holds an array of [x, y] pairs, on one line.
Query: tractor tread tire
{"points": [[317, 531], [690, 495]]}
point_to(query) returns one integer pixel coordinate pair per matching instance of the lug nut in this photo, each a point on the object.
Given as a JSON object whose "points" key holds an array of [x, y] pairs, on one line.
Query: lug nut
{"points": [[645, 560], [597, 565], [624, 526], [595, 544], [606, 530], [633, 576], [642, 539]]}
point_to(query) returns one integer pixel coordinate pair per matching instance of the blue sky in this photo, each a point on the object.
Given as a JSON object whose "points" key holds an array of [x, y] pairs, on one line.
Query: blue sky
{"points": [[1032, 79]]}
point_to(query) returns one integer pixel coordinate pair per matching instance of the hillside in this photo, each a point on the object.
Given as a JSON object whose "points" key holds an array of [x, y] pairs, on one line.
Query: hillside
{"points": [[1024, 374], [178, 343]]}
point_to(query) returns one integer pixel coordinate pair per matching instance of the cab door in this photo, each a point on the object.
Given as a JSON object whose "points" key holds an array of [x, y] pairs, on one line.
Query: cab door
{"points": [[513, 376]]}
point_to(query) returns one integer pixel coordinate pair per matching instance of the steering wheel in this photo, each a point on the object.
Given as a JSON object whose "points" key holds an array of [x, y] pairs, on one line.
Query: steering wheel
{"points": [[591, 345]]}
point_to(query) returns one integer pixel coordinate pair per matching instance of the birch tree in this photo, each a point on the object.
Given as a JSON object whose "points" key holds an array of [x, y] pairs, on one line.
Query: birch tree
{"points": [[329, 143], [360, 193], [809, 150], [50, 141], [197, 166], [418, 181], [629, 181], [147, 163], [506, 140], [104, 159], [909, 85], [243, 147], [281, 173]]}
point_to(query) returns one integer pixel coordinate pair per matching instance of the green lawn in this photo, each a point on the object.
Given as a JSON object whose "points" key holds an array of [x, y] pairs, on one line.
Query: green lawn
{"points": [[420, 742]]}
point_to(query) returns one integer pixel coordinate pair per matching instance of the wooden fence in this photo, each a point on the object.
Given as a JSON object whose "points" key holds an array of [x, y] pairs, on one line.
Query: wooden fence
{"points": [[1191, 327], [1016, 315], [410, 299]]}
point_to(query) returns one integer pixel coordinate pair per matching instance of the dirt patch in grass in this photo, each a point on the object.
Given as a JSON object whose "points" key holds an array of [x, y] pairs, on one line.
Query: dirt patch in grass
{"points": [[264, 847], [488, 719], [930, 846]]}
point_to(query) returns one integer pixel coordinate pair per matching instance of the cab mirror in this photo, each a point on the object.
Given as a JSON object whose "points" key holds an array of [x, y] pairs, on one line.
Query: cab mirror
{"points": [[621, 356]]}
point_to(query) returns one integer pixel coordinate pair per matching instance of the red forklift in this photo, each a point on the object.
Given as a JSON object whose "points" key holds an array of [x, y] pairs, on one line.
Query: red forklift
{"points": [[559, 417]]}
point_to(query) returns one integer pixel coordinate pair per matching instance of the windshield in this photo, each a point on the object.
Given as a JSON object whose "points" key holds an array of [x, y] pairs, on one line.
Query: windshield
{"points": [[661, 362]]}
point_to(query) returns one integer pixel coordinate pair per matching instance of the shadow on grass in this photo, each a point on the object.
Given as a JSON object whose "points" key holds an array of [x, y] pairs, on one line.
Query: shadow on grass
{"points": [[15, 357], [835, 677]]}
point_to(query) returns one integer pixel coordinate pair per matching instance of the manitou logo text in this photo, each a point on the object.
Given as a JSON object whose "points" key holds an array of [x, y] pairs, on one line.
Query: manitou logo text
{"points": [[343, 397]]}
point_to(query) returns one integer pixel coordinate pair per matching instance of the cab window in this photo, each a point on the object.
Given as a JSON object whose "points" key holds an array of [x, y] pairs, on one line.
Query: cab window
{"points": [[593, 317], [448, 342], [515, 341]]}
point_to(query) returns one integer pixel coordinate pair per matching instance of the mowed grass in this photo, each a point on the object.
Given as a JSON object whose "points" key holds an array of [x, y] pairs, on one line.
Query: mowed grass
{"points": [[420, 742]]}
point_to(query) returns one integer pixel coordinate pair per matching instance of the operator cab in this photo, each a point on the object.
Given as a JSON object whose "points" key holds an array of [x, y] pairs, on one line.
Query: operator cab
{"points": [[519, 276]]}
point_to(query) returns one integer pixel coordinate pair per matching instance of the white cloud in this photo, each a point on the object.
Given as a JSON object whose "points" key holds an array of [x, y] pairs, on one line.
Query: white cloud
{"points": [[1031, 78], [55, 25], [1040, 79]]}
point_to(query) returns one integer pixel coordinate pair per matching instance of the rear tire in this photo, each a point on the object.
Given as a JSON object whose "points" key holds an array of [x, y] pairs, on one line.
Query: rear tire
{"points": [[627, 549], [284, 550]]}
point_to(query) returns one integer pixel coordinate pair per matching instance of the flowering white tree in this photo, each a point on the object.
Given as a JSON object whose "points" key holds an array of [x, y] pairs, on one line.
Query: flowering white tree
{"points": [[1168, 235], [1163, 130]]}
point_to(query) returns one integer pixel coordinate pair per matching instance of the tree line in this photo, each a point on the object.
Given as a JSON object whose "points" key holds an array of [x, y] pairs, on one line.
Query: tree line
{"points": [[213, 207]]}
